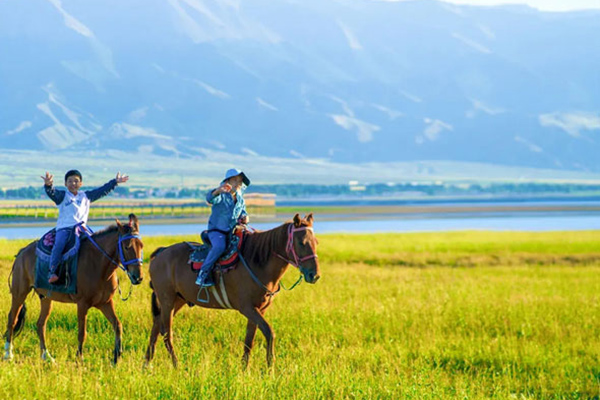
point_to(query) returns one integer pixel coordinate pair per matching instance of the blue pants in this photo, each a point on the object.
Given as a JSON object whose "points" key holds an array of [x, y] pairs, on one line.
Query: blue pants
{"points": [[60, 241], [218, 241]]}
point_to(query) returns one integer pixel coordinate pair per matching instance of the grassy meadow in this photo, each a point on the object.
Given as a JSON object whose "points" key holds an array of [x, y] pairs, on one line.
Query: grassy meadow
{"points": [[467, 315]]}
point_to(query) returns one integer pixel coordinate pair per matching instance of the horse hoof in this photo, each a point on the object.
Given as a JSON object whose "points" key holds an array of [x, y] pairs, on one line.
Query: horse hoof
{"points": [[48, 358], [8, 357]]}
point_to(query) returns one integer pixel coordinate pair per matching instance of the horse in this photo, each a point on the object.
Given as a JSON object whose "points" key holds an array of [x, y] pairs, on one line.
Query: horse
{"points": [[248, 288], [99, 258]]}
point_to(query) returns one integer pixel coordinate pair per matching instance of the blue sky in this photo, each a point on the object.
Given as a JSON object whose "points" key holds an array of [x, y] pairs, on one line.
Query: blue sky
{"points": [[547, 5]]}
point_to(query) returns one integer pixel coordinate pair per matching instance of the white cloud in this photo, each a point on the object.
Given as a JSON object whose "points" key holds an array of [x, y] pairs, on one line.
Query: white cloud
{"points": [[296, 154], [249, 152], [364, 130], [138, 114], [350, 37], [211, 90], [392, 114], [480, 106], [487, 31], [571, 123], [433, 129], [22, 126], [217, 144], [266, 105], [471, 43], [411, 97], [71, 22], [532, 147]]}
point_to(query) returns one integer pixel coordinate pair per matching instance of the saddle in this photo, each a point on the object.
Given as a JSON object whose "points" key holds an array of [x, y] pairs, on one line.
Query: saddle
{"points": [[66, 270], [230, 256]]}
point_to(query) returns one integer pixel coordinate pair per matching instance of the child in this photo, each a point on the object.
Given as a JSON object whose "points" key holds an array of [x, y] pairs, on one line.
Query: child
{"points": [[73, 209], [228, 209]]}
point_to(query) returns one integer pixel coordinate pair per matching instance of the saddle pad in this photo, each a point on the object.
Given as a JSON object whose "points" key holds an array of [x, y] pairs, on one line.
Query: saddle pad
{"points": [[227, 260], [66, 270], [67, 276]]}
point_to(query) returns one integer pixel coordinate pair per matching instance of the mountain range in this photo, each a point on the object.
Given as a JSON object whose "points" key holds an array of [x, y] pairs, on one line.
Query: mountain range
{"points": [[344, 83]]}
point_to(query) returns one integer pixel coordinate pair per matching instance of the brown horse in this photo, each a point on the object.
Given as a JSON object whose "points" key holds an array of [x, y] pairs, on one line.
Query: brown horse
{"points": [[249, 288], [96, 283]]}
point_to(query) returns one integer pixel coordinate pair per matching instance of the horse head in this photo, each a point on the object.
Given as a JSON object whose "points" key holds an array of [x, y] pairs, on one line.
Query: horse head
{"points": [[303, 247], [130, 249]]}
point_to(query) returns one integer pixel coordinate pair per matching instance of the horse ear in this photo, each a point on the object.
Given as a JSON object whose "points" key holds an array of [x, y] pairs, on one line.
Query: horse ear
{"points": [[297, 220], [133, 222], [119, 225], [309, 218]]}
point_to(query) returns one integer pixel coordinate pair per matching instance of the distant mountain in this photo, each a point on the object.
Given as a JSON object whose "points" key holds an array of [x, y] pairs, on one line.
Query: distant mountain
{"points": [[342, 81]]}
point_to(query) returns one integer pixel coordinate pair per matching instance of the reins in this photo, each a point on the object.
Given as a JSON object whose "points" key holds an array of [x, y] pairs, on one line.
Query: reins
{"points": [[289, 249], [120, 263]]}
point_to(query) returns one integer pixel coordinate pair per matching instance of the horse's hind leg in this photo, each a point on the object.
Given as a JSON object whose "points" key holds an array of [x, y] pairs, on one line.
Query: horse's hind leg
{"points": [[18, 300], [108, 309], [46, 309], [166, 324], [156, 328], [256, 317]]}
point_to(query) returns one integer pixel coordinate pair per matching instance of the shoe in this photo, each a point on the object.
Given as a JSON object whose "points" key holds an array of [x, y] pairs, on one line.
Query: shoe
{"points": [[204, 279], [53, 278]]}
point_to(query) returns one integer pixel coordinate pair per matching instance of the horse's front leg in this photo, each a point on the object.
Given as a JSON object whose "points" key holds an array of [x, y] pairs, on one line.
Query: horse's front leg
{"points": [[46, 309], [255, 316], [108, 309], [82, 310], [248, 343]]}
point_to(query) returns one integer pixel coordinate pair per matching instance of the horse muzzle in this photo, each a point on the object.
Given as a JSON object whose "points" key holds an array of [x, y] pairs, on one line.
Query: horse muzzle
{"points": [[311, 276]]}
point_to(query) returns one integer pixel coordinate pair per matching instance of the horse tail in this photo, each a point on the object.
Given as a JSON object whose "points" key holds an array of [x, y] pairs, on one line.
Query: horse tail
{"points": [[13, 268], [156, 252], [20, 321], [155, 306]]}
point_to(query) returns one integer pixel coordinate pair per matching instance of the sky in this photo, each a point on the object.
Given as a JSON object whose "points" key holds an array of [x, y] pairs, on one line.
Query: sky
{"points": [[546, 5]]}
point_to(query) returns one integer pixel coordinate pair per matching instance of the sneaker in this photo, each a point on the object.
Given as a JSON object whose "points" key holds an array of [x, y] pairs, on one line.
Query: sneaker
{"points": [[204, 279], [53, 278]]}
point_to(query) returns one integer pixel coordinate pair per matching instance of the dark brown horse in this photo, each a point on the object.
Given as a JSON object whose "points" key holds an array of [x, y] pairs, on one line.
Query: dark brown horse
{"points": [[249, 288], [96, 283]]}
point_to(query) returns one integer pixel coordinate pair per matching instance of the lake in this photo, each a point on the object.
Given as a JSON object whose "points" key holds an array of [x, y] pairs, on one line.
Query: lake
{"points": [[499, 221]]}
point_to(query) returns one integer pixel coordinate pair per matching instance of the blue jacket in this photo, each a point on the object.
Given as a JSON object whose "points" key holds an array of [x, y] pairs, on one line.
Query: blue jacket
{"points": [[225, 212]]}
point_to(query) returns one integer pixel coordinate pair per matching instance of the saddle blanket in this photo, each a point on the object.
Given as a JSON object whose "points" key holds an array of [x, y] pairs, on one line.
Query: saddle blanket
{"points": [[66, 270], [226, 262]]}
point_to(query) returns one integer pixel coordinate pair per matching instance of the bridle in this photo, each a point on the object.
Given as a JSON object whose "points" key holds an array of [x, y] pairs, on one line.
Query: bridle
{"points": [[290, 250], [121, 262]]}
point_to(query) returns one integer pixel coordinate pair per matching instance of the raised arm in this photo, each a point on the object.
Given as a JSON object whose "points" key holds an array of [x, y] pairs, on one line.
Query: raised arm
{"points": [[105, 189], [57, 196]]}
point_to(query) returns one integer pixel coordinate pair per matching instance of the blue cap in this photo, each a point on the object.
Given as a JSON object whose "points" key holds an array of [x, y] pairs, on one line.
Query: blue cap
{"points": [[235, 172]]}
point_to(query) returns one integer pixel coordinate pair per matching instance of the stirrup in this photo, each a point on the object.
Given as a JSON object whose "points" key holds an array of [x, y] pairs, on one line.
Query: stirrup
{"points": [[201, 300]]}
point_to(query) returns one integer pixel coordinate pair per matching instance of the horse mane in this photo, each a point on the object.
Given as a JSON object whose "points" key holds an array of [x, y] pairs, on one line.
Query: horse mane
{"points": [[260, 245], [103, 232]]}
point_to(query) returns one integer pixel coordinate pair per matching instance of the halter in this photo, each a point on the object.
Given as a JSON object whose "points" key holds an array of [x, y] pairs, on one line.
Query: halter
{"points": [[289, 248]]}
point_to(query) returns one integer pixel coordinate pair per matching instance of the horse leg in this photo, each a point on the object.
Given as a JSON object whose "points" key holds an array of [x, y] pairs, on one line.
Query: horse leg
{"points": [[82, 310], [45, 310], [256, 317], [166, 325], [18, 300], [248, 343], [156, 326], [108, 309]]}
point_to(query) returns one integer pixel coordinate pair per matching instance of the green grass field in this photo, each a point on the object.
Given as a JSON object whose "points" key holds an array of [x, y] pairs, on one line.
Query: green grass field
{"points": [[422, 316]]}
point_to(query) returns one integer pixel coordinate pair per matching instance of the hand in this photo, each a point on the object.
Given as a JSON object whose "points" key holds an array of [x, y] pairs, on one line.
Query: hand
{"points": [[121, 178], [225, 187], [48, 179], [244, 220]]}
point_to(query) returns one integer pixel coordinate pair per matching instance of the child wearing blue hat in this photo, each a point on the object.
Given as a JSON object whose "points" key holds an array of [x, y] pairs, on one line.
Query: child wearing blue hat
{"points": [[228, 209], [73, 209]]}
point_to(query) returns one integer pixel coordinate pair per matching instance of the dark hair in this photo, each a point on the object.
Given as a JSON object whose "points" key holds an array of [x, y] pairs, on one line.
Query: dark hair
{"points": [[73, 172]]}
